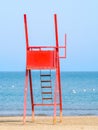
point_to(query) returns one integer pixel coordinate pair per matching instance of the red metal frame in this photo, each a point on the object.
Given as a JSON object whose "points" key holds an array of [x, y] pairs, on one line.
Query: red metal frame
{"points": [[49, 59]]}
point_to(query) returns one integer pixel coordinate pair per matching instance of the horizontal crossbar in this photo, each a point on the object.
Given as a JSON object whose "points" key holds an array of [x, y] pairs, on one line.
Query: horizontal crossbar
{"points": [[45, 80], [46, 92], [45, 104], [46, 87], [45, 75], [39, 47], [46, 98]]}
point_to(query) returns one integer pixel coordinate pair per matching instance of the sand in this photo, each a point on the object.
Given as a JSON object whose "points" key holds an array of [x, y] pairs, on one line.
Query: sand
{"points": [[46, 123]]}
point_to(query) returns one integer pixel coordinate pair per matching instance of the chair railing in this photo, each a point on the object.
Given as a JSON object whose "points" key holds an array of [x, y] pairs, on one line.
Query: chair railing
{"points": [[31, 48]]}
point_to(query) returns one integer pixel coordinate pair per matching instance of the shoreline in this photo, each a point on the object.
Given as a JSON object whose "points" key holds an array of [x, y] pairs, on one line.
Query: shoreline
{"points": [[46, 123]]}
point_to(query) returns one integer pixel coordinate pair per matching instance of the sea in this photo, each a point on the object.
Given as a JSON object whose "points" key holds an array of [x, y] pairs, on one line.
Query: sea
{"points": [[79, 94]]}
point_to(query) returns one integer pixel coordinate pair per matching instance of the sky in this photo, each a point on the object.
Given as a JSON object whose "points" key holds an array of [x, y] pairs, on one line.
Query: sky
{"points": [[77, 18]]}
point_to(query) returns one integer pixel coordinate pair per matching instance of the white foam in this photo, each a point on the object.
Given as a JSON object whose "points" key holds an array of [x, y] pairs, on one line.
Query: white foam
{"points": [[84, 90], [74, 91], [13, 86], [93, 90]]}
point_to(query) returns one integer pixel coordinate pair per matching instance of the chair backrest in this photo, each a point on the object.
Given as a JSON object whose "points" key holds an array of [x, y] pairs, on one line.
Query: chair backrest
{"points": [[26, 30], [39, 58]]}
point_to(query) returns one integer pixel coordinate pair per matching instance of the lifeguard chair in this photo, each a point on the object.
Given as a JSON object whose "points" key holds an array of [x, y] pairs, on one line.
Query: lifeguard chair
{"points": [[44, 58]]}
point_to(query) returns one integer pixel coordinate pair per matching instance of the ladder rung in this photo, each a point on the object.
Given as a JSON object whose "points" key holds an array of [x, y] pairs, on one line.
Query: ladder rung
{"points": [[46, 92], [46, 98], [45, 75], [45, 80], [46, 87]]}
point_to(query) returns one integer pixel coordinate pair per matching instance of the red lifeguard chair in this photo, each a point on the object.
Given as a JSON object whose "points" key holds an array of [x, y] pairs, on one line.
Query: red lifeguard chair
{"points": [[44, 58]]}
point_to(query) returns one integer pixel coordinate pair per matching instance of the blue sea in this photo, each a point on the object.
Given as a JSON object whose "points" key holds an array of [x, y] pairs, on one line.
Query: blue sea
{"points": [[79, 94]]}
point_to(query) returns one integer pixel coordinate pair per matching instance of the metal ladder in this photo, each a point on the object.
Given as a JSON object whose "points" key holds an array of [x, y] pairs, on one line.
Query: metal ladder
{"points": [[46, 86]]}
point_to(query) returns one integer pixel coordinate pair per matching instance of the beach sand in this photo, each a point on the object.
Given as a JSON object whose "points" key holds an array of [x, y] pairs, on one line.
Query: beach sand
{"points": [[46, 123]]}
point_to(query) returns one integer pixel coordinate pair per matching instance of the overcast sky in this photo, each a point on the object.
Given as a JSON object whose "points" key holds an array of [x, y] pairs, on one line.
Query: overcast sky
{"points": [[77, 18]]}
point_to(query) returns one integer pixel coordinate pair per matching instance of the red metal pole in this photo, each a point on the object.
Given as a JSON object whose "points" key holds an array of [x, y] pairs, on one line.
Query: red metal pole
{"points": [[25, 95], [56, 30], [58, 65], [26, 31], [31, 92], [55, 90]]}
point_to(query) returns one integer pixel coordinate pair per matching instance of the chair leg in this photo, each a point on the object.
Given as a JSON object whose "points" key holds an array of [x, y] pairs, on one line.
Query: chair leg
{"points": [[60, 91], [31, 92], [60, 98], [55, 99], [54, 118], [25, 96]]}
